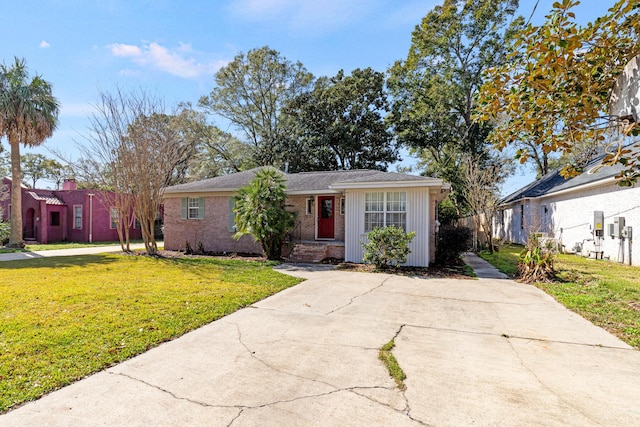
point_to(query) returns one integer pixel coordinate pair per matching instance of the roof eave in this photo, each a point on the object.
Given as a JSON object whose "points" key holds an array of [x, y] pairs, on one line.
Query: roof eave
{"points": [[312, 192], [385, 184]]}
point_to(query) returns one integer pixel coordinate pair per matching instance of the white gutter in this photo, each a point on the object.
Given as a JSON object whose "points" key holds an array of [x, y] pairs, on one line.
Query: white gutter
{"points": [[385, 184]]}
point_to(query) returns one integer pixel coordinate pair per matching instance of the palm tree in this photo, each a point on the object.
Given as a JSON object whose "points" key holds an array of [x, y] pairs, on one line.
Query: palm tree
{"points": [[28, 115]]}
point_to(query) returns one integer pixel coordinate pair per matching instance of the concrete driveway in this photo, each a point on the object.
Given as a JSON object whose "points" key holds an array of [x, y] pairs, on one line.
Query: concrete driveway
{"points": [[482, 352]]}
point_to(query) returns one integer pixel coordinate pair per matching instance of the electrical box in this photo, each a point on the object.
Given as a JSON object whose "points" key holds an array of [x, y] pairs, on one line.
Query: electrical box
{"points": [[598, 223], [610, 231], [618, 226], [628, 233]]}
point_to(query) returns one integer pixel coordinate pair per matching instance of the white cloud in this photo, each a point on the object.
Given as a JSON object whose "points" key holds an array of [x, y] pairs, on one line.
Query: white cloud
{"points": [[178, 62], [44, 44], [120, 49]]}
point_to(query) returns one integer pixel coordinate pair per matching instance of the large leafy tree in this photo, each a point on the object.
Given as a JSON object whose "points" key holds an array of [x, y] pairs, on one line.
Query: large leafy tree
{"points": [[340, 124], [215, 152], [260, 211], [434, 89], [251, 93], [28, 115], [5, 163], [556, 85], [37, 166]]}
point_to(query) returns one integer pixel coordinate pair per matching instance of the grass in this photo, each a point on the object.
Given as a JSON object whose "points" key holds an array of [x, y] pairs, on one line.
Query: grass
{"points": [[603, 292], [392, 365], [505, 260], [62, 319]]}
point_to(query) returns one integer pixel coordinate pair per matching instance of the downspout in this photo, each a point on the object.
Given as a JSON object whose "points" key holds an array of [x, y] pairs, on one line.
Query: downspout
{"points": [[91, 217]]}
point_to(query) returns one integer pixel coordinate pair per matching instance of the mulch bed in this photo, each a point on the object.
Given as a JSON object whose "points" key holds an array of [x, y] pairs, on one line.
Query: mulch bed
{"points": [[437, 271], [178, 254], [440, 272]]}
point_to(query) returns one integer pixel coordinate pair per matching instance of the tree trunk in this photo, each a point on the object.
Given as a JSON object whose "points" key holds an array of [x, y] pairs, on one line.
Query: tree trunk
{"points": [[15, 239]]}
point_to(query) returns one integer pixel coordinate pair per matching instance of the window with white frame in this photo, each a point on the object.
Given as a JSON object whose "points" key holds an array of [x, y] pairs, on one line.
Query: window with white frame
{"points": [[396, 212], [192, 208], [341, 205], [114, 218], [232, 215], [309, 206], [373, 210], [383, 209], [77, 217]]}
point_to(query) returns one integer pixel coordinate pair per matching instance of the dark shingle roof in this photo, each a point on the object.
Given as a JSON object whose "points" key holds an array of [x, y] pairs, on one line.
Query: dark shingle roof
{"points": [[300, 182], [553, 182]]}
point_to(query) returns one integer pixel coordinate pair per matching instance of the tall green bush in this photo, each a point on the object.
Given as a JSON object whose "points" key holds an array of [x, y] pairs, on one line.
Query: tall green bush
{"points": [[452, 242], [387, 246], [260, 211], [5, 229], [5, 232]]}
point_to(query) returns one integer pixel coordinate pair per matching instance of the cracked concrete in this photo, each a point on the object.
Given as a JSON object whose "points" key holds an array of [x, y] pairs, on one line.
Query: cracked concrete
{"points": [[486, 352]]}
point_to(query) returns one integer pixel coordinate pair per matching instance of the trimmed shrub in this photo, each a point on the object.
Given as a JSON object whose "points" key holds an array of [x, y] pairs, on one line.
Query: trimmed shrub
{"points": [[387, 246], [451, 243], [5, 232]]}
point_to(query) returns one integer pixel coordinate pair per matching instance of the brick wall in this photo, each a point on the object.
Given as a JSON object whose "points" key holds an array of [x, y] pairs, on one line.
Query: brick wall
{"points": [[212, 231]]}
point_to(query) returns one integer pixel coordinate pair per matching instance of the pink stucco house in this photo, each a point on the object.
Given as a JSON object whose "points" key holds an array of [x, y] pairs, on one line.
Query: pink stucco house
{"points": [[70, 214], [334, 211]]}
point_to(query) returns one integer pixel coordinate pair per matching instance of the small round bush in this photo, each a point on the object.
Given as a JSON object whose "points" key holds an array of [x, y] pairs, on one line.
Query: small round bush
{"points": [[387, 246]]}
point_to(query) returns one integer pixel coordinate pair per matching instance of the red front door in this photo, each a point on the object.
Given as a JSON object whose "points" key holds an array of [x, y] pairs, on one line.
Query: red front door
{"points": [[326, 208]]}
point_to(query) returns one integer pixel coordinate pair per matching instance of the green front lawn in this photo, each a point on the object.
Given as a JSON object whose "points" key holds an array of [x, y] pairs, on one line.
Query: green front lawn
{"points": [[603, 292], [64, 318]]}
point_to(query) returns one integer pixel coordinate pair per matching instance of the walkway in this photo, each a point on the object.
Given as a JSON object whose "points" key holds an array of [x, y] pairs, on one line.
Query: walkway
{"points": [[482, 268], [475, 352], [17, 256]]}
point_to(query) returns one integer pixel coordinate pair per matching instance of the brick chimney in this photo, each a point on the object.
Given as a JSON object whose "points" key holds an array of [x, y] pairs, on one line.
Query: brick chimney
{"points": [[69, 184]]}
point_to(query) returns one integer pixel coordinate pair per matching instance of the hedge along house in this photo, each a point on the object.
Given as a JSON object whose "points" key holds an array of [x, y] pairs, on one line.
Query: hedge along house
{"points": [[334, 211], [588, 214], [70, 214]]}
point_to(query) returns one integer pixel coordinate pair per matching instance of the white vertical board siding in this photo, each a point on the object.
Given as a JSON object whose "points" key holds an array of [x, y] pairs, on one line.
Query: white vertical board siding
{"points": [[418, 220], [353, 225]]}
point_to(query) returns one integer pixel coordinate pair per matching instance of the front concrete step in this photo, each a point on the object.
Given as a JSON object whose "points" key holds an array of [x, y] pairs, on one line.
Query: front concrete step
{"points": [[316, 252]]}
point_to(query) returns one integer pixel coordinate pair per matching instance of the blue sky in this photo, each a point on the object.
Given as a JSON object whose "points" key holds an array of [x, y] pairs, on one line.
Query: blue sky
{"points": [[175, 47]]}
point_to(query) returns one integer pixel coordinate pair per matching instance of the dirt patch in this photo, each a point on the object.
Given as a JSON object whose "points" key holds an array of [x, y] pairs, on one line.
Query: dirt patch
{"points": [[245, 257], [635, 305], [449, 272]]}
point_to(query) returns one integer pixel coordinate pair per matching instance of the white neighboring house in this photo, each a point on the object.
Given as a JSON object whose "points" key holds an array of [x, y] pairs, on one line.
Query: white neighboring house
{"points": [[581, 213]]}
